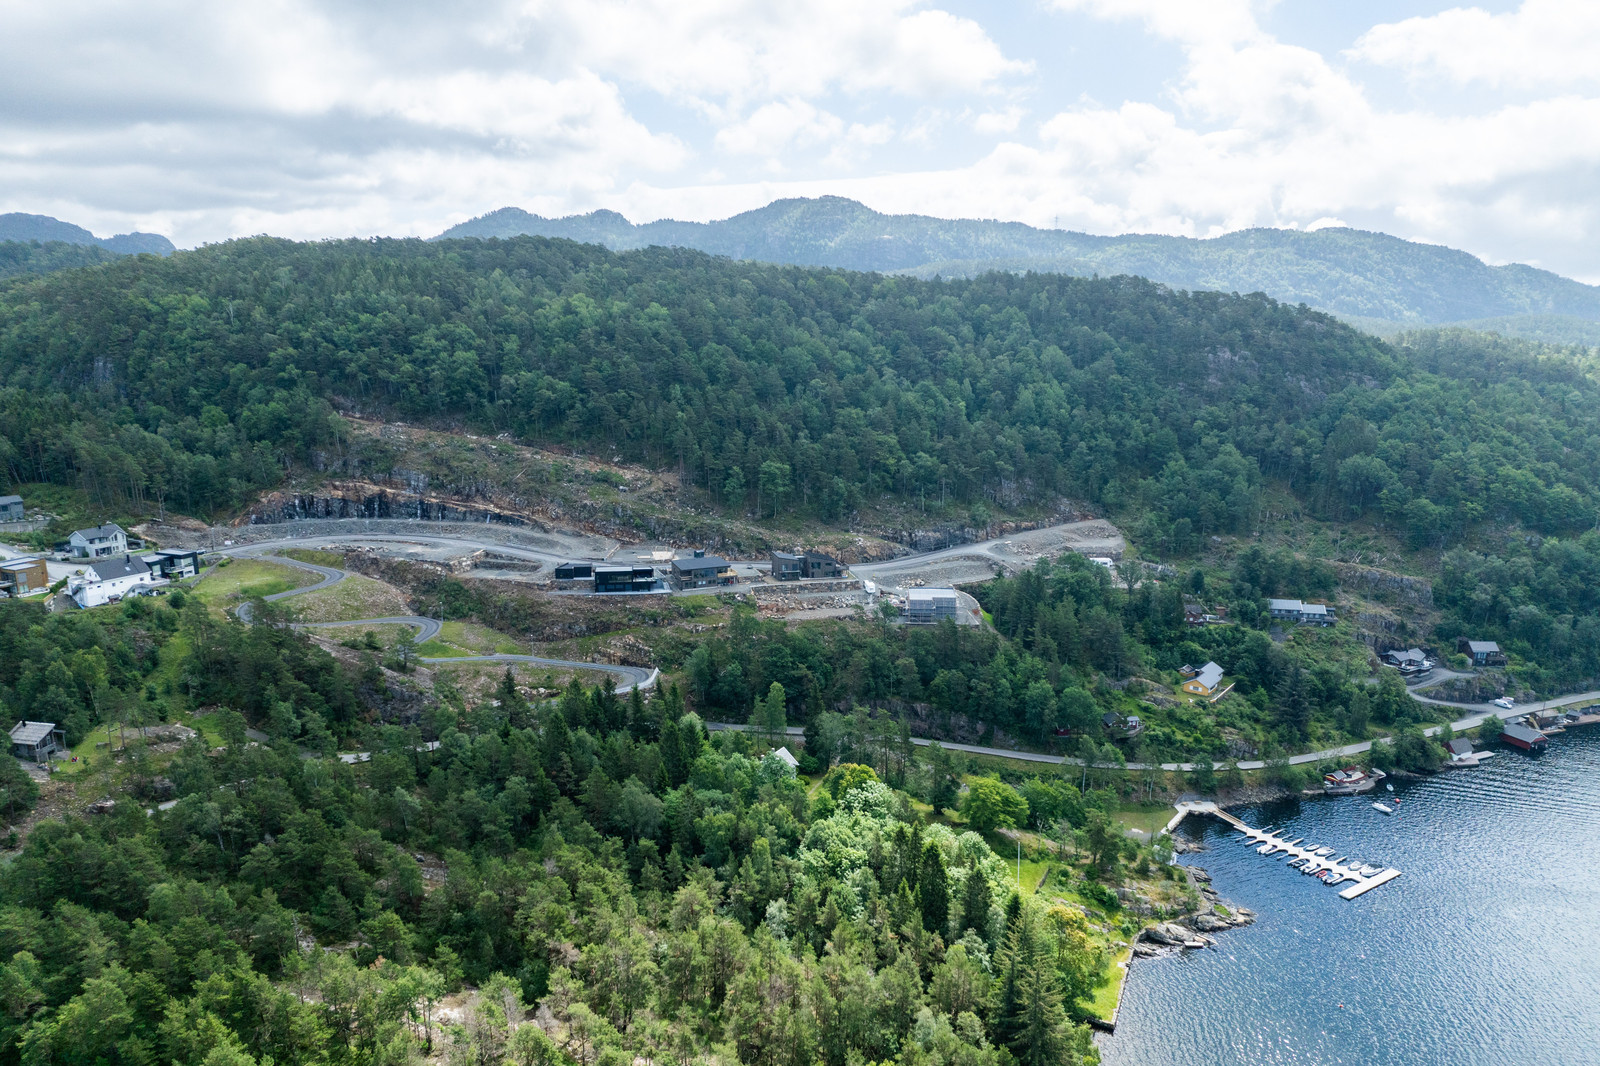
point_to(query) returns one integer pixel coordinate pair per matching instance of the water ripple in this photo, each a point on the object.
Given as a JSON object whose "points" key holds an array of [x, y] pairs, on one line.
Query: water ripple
{"points": [[1483, 952]]}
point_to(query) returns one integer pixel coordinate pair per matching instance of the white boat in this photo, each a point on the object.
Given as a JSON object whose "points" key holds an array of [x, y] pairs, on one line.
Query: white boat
{"points": [[1324, 852], [1381, 807], [1368, 871]]}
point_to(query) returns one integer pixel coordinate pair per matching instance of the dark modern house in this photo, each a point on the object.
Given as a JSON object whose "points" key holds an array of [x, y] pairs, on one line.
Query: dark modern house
{"points": [[700, 571], [574, 571], [174, 564], [624, 578], [815, 564], [787, 567]]}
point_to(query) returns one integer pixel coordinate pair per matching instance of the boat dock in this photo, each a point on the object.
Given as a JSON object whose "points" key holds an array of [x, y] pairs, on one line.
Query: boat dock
{"points": [[1276, 844]]}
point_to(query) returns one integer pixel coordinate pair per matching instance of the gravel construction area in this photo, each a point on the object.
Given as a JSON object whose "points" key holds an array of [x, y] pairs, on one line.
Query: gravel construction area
{"points": [[981, 562], [562, 543]]}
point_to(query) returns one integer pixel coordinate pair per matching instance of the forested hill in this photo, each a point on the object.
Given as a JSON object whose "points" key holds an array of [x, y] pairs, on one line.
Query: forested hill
{"points": [[199, 379], [1346, 271], [24, 228]]}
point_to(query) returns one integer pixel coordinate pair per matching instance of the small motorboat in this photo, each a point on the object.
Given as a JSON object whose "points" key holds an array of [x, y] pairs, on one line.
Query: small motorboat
{"points": [[1368, 871], [1324, 852], [1383, 808], [1296, 861]]}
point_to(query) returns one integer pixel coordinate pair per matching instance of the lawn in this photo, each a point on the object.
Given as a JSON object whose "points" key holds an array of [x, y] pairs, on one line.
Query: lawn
{"points": [[480, 640], [354, 598], [245, 579], [316, 558], [1104, 1003], [1148, 818], [434, 649]]}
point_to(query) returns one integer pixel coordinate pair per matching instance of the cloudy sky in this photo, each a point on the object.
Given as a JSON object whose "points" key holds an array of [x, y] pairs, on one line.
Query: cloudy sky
{"points": [[1477, 127]]}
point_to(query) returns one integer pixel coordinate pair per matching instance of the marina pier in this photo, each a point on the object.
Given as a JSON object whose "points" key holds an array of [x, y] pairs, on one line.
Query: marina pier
{"points": [[1276, 844]]}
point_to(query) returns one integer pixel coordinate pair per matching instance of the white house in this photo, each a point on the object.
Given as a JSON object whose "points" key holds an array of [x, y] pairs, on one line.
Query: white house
{"points": [[100, 542], [109, 579]]}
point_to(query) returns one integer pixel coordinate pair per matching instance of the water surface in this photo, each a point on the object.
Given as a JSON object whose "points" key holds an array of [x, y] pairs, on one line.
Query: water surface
{"points": [[1486, 950]]}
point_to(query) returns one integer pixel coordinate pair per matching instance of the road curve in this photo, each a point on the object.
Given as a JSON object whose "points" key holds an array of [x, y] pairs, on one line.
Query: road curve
{"points": [[645, 678], [628, 677]]}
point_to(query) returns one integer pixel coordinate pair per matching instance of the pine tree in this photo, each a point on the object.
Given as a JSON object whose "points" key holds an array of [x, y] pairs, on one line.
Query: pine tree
{"points": [[933, 889], [975, 903]]}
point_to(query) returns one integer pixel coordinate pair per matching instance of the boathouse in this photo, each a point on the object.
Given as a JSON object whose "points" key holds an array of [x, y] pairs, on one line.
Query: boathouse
{"points": [[1520, 736]]}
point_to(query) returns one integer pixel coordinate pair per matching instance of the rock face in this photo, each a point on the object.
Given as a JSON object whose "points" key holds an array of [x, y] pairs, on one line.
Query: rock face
{"points": [[1210, 923], [1169, 933]]}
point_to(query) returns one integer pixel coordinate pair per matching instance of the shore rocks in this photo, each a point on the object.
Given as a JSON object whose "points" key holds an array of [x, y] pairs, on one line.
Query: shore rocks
{"points": [[1169, 933], [1210, 923]]}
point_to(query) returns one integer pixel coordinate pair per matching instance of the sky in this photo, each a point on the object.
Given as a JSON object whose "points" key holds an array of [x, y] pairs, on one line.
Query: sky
{"points": [[1476, 127]]}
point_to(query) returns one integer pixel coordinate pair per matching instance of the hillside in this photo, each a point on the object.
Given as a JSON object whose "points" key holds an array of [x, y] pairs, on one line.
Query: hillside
{"points": [[1345, 271], [195, 381], [25, 228]]}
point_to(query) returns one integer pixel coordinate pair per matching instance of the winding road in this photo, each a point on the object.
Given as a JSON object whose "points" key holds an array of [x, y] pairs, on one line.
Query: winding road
{"points": [[628, 677], [634, 676]]}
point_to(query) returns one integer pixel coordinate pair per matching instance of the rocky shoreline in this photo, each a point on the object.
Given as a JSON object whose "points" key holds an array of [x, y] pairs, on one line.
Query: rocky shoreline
{"points": [[1193, 931]]}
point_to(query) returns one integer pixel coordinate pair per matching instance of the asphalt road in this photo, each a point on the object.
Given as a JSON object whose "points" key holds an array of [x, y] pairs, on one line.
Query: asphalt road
{"points": [[628, 677], [644, 678]]}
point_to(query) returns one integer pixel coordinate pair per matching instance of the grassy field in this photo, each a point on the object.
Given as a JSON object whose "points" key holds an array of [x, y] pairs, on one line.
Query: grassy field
{"points": [[315, 557], [354, 598], [244, 579], [435, 649], [1104, 1004]]}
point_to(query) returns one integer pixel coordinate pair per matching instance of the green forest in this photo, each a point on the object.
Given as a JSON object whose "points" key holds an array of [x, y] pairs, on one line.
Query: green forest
{"points": [[193, 382], [653, 890]]}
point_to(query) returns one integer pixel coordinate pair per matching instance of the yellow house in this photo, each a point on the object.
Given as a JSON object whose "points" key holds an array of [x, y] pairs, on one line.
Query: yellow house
{"points": [[1205, 682]]}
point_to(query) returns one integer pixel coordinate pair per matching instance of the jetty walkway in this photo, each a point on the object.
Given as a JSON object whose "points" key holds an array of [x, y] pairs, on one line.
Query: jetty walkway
{"points": [[1275, 844]]}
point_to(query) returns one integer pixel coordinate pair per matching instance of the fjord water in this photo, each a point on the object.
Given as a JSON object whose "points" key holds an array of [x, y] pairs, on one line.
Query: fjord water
{"points": [[1486, 950]]}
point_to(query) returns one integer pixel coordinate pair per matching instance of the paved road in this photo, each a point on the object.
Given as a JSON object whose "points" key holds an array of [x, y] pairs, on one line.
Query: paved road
{"points": [[628, 677], [645, 678]]}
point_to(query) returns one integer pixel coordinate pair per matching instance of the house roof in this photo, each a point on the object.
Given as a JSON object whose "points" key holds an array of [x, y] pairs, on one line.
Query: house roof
{"points": [[1523, 733], [786, 557], [10, 499], [931, 594], [21, 564], [1482, 646], [1313, 608], [1210, 675], [104, 532], [1460, 746], [127, 566], [786, 756], [173, 553], [700, 562], [1285, 605], [31, 733]]}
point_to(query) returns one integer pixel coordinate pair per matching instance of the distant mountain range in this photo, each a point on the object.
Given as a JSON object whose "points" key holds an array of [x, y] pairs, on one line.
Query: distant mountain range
{"points": [[44, 229], [1378, 281]]}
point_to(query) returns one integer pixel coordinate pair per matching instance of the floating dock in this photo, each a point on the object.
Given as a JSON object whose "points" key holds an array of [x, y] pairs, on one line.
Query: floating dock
{"points": [[1278, 844]]}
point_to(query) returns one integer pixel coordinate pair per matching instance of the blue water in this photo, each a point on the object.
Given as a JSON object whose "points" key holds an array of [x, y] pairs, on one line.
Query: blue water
{"points": [[1486, 950]]}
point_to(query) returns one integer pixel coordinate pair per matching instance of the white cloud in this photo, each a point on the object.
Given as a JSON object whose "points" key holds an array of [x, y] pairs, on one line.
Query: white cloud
{"points": [[1543, 44]]}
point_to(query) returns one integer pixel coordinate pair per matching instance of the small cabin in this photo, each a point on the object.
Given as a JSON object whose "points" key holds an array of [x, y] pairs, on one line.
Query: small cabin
{"points": [[1204, 681], [37, 741], [1482, 652]]}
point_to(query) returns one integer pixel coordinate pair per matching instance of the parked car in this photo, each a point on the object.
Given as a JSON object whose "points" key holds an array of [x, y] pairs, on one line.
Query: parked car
{"points": [[1505, 701]]}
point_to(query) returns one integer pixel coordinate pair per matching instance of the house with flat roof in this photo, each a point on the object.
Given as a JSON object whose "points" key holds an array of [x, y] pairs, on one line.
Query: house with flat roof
{"points": [[928, 606], [37, 741], [174, 564], [635, 577], [700, 571], [98, 542], [816, 564], [108, 580], [574, 571], [23, 577], [11, 509]]}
